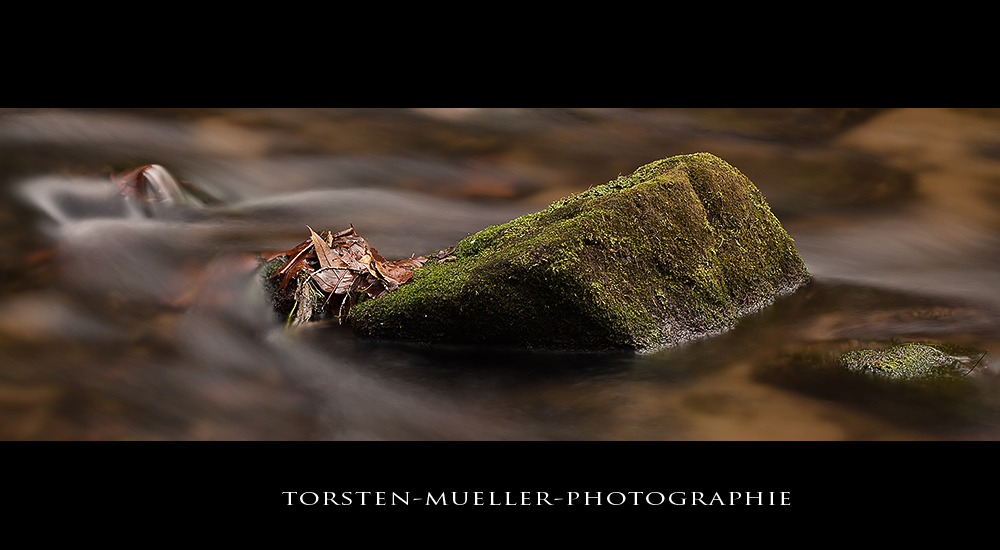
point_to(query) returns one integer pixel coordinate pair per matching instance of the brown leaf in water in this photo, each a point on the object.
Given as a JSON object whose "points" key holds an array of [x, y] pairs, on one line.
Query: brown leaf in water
{"points": [[130, 182], [348, 267]]}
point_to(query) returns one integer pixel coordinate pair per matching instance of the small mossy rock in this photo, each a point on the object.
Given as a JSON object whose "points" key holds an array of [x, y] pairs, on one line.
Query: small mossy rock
{"points": [[924, 385], [682, 248], [909, 361]]}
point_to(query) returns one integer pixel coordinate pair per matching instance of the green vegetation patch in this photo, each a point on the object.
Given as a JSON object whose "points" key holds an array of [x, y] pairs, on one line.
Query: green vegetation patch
{"points": [[909, 361]]}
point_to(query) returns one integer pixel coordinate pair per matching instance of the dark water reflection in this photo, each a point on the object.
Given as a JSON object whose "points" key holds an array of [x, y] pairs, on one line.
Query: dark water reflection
{"points": [[116, 326]]}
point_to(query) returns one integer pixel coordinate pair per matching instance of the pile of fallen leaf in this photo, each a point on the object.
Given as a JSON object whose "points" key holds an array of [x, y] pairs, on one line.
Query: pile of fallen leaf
{"points": [[341, 265]]}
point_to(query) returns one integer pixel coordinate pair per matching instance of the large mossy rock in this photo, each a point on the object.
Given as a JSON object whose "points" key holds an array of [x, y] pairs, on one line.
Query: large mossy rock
{"points": [[681, 248]]}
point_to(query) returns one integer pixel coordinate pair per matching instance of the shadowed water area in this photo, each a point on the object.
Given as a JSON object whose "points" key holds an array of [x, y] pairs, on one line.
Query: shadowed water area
{"points": [[118, 324]]}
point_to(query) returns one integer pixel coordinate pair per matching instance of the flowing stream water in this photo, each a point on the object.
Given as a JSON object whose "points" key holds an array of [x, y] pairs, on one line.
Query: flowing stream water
{"points": [[118, 325]]}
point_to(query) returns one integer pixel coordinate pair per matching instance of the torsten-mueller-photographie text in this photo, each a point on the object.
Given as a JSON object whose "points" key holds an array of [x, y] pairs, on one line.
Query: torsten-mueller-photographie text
{"points": [[537, 498]]}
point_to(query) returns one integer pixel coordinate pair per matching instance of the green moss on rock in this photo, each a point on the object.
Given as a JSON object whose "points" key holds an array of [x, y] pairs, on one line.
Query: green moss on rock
{"points": [[909, 361], [681, 248]]}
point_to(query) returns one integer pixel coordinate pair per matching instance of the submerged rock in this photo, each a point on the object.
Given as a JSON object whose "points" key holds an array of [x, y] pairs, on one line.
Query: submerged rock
{"points": [[893, 366], [911, 361], [926, 385], [682, 248]]}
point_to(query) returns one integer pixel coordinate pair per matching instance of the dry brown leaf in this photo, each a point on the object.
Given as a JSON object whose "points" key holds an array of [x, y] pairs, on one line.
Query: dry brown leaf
{"points": [[324, 253], [333, 281], [348, 267]]}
